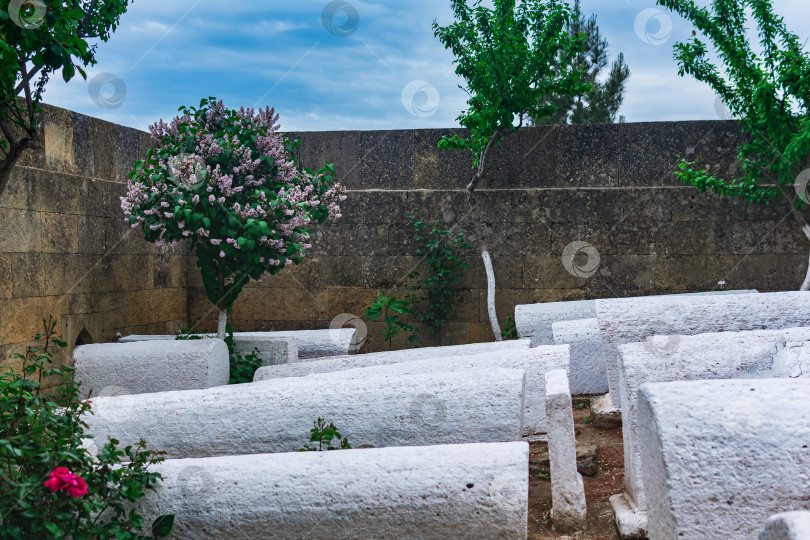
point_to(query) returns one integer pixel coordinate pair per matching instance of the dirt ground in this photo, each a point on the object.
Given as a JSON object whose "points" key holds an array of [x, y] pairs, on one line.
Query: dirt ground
{"points": [[608, 481]]}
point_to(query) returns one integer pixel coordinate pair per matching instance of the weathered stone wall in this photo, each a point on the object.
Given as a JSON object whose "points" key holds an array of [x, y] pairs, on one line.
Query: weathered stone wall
{"points": [[65, 249], [608, 185]]}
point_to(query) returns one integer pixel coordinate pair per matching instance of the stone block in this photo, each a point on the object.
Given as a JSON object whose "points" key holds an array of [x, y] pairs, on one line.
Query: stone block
{"points": [[724, 355], [535, 320], [57, 137], [787, 526], [568, 509], [589, 155], [107, 369], [535, 362], [411, 492], [104, 149], [719, 457], [632, 320], [275, 416], [333, 364], [342, 148], [588, 373]]}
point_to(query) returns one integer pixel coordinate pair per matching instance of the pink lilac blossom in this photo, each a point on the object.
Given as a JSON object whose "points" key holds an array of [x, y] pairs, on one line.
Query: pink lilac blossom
{"points": [[283, 196]]}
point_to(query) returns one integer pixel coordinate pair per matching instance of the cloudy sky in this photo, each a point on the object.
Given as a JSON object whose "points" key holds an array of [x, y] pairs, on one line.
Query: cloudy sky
{"points": [[348, 64]]}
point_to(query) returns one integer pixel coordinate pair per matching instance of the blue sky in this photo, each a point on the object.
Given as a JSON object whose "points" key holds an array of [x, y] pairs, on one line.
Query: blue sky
{"points": [[350, 64]]}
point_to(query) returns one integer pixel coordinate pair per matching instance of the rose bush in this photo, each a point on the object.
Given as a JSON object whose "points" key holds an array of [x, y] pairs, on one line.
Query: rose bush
{"points": [[51, 484]]}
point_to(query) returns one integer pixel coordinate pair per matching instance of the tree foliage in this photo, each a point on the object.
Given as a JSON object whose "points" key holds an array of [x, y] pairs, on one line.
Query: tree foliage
{"points": [[511, 56], [768, 90], [600, 103], [229, 182], [38, 38]]}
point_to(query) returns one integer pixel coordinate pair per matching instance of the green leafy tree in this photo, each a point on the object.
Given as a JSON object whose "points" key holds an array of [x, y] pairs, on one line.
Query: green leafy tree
{"points": [[768, 91], [38, 38], [599, 104], [511, 57]]}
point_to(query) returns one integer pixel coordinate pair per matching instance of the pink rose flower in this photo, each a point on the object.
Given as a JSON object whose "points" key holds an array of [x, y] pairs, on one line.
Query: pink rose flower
{"points": [[62, 479]]}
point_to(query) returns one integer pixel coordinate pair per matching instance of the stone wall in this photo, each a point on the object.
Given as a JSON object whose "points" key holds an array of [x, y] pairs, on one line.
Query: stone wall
{"points": [[65, 249], [610, 186]]}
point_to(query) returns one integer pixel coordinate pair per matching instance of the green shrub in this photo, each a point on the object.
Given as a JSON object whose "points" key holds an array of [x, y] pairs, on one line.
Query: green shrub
{"points": [[50, 484], [323, 434], [440, 248], [243, 368], [509, 329], [390, 309]]}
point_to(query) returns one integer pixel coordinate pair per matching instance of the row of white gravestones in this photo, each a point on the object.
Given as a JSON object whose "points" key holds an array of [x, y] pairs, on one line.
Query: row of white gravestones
{"points": [[435, 492], [575, 323], [535, 321], [535, 362], [280, 347], [632, 320], [725, 355], [721, 456]]}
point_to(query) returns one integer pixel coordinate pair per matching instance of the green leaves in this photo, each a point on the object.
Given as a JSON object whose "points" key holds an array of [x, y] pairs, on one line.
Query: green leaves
{"points": [[768, 92], [39, 434], [389, 309], [510, 57], [439, 249], [323, 434], [162, 526]]}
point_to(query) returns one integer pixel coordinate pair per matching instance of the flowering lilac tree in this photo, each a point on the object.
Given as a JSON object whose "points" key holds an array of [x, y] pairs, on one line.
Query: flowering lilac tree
{"points": [[228, 181]]}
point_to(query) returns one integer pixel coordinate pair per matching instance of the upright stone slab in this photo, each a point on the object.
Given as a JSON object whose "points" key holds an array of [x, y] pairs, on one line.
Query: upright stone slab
{"points": [[136, 368], [310, 343], [535, 320], [720, 457], [276, 416], [432, 492], [341, 363], [350, 361], [724, 355], [632, 320], [588, 373], [568, 508], [787, 526], [535, 362]]}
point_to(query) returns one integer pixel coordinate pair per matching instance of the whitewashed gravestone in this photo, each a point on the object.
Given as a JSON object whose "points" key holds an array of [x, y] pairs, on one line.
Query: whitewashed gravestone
{"points": [[535, 320], [535, 362], [272, 350], [137, 368], [276, 416], [434, 492], [420, 353], [309, 344], [724, 355], [332, 364], [567, 490], [787, 526], [719, 457], [632, 320], [588, 373]]}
